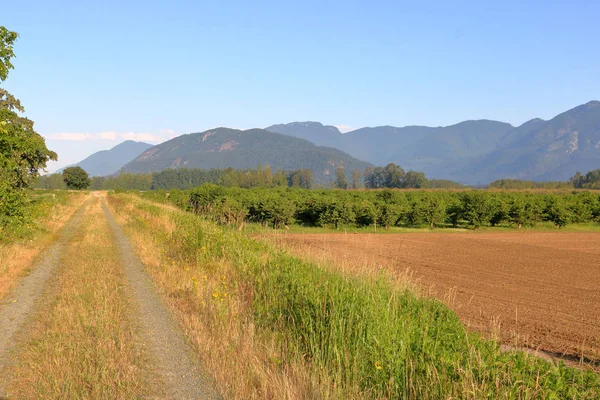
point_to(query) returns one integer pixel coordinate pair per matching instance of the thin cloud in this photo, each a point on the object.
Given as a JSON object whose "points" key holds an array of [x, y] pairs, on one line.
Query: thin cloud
{"points": [[169, 132], [344, 128], [113, 136]]}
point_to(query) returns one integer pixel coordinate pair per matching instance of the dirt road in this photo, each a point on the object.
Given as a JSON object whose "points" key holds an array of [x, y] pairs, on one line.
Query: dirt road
{"points": [[17, 309], [178, 371], [539, 290]]}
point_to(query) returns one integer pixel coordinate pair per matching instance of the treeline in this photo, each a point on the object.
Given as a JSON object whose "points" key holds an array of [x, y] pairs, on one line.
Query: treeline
{"points": [[391, 176], [524, 184], [590, 180], [394, 177], [387, 208], [184, 179]]}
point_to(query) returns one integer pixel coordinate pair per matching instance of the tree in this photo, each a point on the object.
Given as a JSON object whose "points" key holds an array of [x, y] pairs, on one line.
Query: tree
{"points": [[477, 208], [356, 175], [23, 151], [393, 176], [76, 178], [557, 212], [340, 181], [414, 180]]}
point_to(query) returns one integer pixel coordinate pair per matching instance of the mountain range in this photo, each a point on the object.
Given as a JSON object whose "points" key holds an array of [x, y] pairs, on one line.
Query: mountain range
{"points": [[109, 162], [474, 152], [471, 152], [224, 148]]}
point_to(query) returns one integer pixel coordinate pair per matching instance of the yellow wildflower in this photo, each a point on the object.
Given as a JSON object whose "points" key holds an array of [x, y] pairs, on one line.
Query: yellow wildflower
{"points": [[378, 365]]}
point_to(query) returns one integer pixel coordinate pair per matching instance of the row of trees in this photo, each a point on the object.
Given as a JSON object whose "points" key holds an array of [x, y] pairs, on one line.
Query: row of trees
{"points": [[393, 176], [519, 184], [189, 178], [473, 208], [591, 180], [23, 151]]}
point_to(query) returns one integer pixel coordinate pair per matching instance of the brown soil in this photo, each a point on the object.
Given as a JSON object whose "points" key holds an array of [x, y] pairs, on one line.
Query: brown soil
{"points": [[532, 289]]}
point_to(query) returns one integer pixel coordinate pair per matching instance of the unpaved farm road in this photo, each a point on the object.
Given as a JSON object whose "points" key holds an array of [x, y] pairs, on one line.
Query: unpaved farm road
{"points": [[539, 290], [175, 365]]}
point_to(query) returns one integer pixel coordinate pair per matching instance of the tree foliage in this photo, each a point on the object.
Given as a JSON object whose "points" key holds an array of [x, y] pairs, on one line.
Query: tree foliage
{"points": [[386, 207], [590, 180], [394, 177], [340, 181], [23, 151], [76, 178]]}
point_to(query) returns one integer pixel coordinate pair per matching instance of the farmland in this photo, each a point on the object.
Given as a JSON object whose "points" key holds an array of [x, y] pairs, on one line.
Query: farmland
{"points": [[539, 290], [309, 316]]}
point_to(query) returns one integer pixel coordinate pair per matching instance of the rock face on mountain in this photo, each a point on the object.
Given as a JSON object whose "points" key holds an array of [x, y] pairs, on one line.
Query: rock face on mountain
{"points": [[224, 148], [475, 152], [108, 162], [553, 150]]}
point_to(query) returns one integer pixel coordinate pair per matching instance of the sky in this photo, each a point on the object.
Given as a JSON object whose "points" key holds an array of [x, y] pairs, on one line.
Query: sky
{"points": [[92, 74]]}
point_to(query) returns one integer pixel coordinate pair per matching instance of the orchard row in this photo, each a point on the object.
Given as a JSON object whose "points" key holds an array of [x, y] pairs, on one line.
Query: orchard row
{"points": [[280, 207]]}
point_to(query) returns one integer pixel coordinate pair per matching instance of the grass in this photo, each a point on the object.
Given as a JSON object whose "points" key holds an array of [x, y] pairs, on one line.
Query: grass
{"points": [[270, 325], [83, 345], [253, 227], [20, 247]]}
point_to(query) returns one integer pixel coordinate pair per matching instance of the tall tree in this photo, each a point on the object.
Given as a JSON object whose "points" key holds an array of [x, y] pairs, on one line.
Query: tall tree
{"points": [[23, 151], [340, 180], [393, 176], [356, 175], [76, 178]]}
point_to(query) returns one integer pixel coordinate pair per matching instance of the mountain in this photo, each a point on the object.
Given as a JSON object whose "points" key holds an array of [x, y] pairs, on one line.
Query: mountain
{"points": [[475, 152], [108, 162], [315, 132], [552, 150], [420, 148], [223, 148]]}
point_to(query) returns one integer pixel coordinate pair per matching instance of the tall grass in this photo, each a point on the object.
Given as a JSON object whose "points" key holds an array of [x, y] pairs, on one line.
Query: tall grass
{"points": [[83, 344], [354, 334], [20, 245]]}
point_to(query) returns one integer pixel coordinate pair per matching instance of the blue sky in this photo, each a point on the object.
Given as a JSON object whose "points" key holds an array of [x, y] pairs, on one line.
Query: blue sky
{"points": [[92, 74]]}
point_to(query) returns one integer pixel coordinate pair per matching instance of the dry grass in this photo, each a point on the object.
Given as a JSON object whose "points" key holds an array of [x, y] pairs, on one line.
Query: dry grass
{"points": [[17, 257], [268, 325], [215, 313], [84, 344]]}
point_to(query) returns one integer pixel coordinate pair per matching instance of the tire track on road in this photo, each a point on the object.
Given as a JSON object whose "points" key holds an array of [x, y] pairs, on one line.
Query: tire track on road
{"points": [[176, 363], [20, 306]]}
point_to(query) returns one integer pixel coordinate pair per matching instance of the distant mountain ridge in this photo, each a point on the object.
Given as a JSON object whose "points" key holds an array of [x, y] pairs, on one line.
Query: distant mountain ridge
{"points": [[474, 152], [224, 148], [471, 152], [109, 162]]}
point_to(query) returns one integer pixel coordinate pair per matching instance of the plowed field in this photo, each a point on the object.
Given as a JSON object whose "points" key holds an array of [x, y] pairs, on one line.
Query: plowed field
{"points": [[538, 290]]}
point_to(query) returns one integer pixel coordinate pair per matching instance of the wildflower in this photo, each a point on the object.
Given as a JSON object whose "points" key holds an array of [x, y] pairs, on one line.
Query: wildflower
{"points": [[203, 249], [378, 365], [215, 295]]}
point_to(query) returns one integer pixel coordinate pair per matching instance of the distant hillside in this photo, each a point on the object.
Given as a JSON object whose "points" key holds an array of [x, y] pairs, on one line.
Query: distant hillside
{"points": [[552, 151], [315, 132], [474, 152], [108, 162], [420, 148], [222, 148]]}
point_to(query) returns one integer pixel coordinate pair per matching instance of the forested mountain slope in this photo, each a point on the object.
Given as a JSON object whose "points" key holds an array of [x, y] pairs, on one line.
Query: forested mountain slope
{"points": [[224, 148], [475, 152]]}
